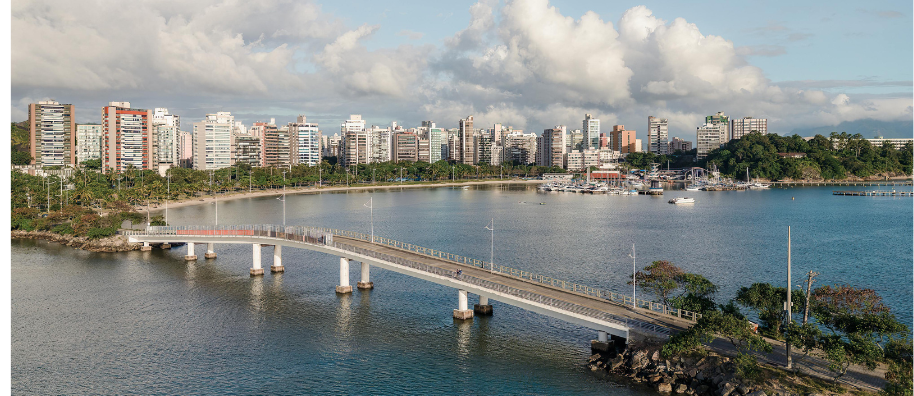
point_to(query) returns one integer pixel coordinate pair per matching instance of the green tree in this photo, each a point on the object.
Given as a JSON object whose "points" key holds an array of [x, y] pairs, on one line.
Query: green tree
{"points": [[663, 278], [767, 302]]}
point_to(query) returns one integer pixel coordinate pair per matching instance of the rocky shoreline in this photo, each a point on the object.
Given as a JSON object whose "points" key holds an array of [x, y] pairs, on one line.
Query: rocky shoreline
{"points": [[115, 243], [709, 374]]}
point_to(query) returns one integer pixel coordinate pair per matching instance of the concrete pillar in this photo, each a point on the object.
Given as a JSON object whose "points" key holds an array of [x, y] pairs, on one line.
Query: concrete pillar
{"points": [[145, 247], [166, 246], [344, 286], [210, 251], [191, 256], [277, 260], [256, 270], [462, 312], [601, 344], [483, 308], [365, 283]]}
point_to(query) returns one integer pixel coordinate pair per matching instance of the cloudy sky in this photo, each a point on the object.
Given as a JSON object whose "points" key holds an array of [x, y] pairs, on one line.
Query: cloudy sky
{"points": [[531, 64]]}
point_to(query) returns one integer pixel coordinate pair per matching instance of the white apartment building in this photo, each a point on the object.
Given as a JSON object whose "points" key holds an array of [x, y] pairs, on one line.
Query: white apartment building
{"points": [[591, 132], [709, 137], [88, 142], [356, 141], [168, 154], [213, 141], [128, 137], [382, 143], [52, 133], [743, 126], [437, 143], [658, 135], [306, 142]]}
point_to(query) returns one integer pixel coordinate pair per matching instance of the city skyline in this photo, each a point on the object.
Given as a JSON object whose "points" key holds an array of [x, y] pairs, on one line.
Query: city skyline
{"points": [[516, 64]]}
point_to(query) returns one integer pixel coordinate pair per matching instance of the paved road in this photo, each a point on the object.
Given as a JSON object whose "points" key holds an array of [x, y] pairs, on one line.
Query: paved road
{"points": [[673, 323]]}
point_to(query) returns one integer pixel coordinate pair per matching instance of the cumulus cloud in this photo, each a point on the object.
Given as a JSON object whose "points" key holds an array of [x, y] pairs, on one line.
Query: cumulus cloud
{"points": [[521, 63]]}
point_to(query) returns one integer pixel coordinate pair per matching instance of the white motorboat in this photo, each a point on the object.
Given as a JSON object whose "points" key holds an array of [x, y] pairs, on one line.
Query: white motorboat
{"points": [[682, 200], [692, 187]]}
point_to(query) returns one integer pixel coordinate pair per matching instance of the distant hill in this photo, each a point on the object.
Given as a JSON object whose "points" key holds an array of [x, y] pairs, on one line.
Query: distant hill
{"points": [[867, 127], [19, 138]]}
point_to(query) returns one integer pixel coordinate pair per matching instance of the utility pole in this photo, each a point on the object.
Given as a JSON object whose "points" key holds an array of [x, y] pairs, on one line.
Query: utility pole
{"points": [[166, 199], [809, 279], [634, 302], [492, 255], [789, 316]]}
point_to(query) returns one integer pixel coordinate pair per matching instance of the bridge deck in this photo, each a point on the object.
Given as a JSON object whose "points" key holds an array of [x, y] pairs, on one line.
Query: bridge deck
{"points": [[673, 323]]}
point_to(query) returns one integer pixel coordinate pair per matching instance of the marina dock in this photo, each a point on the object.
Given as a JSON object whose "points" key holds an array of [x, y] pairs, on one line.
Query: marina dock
{"points": [[892, 193]]}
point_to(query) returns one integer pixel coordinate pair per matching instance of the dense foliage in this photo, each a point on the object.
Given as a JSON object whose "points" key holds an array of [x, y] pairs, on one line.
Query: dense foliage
{"points": [[836, 157], [19, 139], [663, 279]]}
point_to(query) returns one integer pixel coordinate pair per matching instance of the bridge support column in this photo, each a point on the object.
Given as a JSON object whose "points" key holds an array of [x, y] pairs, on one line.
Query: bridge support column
{"points": [[344, 287], [483, 308], [191, 256], [462, 312], [145, 247], [366, 283], [256, 270], [210, 251], [601, 344], [277, 260], [165, 246]]}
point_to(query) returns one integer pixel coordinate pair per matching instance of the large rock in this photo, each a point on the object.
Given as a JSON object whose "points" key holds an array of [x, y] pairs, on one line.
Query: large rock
{"points": [[726, 389], [639, 360], [656, 356], [681, 388], [615, 363], [664, 388]]}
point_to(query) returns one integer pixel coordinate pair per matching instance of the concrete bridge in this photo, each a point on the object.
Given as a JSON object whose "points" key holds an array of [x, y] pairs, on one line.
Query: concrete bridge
{"points": [[611, 314]]}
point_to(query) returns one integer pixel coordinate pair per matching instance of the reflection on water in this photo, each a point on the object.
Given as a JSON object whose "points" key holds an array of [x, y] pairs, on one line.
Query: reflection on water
{"points": [[152, 323]]}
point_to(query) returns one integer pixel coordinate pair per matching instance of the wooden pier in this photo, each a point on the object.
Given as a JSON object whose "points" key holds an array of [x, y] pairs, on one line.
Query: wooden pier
{"points": [[892, 193], [842, 183]]}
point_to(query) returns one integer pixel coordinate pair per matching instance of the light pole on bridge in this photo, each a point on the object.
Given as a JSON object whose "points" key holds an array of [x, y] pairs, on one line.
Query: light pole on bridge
{"points": [[370, 206], [492, 254], [634, 281], [283, 198]]}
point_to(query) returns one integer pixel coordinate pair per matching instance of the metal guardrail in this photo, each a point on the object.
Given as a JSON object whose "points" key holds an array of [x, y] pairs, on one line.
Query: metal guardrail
{"points": [[297, 232]]}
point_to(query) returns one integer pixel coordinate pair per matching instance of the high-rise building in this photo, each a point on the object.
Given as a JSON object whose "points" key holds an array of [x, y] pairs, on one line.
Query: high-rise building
{"points": [[680, 144], [520, 148], [186, 149], [575, 141], [382, 143], [551, 147], [721, 120], [623, 140], [356, 141], [709, 137], [406, 147], [128, 137], [332, 146], [306, 142], [213, 141], [437, 143], [424, 151], [658, 135], [52, 133], [160, 116], [88, 142], [466, 147], [277, 147], [743, 126], [247, 150], [168, 153], [591, 132]]}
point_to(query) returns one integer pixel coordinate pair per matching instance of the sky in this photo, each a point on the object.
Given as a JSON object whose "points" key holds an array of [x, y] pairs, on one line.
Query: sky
{"points": [[529, 64]]}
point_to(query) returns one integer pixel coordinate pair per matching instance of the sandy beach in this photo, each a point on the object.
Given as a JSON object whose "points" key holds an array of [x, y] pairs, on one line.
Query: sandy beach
{"points": [[319, 190]]}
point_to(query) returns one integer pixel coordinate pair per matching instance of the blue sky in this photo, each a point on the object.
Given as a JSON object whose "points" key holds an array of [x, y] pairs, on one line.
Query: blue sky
{"points": [[532, 64]]}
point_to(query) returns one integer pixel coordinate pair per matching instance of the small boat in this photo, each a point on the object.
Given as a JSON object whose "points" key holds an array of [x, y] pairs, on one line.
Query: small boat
{"points": [[682, 200], [692, 187]]}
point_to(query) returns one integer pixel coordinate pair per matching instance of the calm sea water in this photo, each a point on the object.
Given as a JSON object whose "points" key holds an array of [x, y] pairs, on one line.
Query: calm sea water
{"points": [[147, 323]]}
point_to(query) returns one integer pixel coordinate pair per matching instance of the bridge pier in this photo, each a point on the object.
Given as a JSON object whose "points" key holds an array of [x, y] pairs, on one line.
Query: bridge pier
{"points": [[256, 270], [210, 251], [483, 308], [191, 256], [165, 246], [277, 260], [366, 283], [145, 247], [344, 286], [462, 313]]}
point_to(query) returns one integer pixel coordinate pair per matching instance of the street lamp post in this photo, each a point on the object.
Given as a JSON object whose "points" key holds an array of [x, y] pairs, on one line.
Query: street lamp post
{"points": [[634, 303], [168, 195], [789, 316], [283, 197], [370, 206], [492, 254]]}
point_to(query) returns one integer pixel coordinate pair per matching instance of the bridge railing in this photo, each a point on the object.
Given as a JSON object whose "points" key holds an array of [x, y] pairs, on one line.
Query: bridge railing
{"points": [[296, 232], [526, 295]]}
